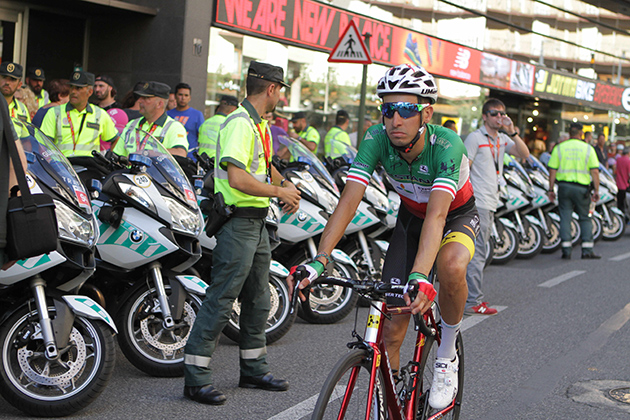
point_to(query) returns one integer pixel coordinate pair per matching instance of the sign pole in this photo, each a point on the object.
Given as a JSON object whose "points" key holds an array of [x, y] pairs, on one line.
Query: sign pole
{"points": [[360, 132]]}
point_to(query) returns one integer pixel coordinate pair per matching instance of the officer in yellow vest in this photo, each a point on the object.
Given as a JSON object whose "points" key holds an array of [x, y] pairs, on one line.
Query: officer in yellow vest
{"points": [[573, 163], [10, 82], [78, 127], [209, 130], [35, 81], [337, 137], [306, 134], [153, 98], [246, 178]]}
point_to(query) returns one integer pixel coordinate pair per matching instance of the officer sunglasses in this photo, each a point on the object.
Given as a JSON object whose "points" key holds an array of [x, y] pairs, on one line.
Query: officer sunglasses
{"points": [[495, 112], [404, 109]]}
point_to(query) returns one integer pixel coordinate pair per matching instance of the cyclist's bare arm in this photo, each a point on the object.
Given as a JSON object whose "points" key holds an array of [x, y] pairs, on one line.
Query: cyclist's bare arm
{"points": [[430, 239], [336, 226]]}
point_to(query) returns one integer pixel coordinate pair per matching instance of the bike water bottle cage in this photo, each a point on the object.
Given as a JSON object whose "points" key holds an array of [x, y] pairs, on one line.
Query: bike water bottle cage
{"points": [[404, 109], [408, 147]]}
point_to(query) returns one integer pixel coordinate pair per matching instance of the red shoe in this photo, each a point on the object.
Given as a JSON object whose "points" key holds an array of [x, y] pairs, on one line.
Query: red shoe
{"points": [[481, 309]]}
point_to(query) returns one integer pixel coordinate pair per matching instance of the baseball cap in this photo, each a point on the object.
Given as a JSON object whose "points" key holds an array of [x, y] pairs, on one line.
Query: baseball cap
{"points": [[229, 100], [81, 78], [298, 115], [35, 73], [266, 72], [161, 90], [106, 79], [10, 69]]}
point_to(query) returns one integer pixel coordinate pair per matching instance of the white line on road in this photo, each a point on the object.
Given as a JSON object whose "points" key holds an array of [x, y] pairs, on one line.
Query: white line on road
{"points": [[473, 320], [306, 407], [620, 257], [557, 280]]}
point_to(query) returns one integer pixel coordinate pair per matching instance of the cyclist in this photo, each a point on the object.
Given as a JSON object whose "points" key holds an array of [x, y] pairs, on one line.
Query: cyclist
{"points": [[438, 221]]}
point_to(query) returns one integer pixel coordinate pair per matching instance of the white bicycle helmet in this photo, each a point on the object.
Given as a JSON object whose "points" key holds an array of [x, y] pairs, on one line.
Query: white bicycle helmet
{"points": [[406, 78]]}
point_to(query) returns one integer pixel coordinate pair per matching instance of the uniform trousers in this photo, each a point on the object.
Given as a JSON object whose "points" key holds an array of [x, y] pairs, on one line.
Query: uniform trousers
{"points": [[573, 197]]}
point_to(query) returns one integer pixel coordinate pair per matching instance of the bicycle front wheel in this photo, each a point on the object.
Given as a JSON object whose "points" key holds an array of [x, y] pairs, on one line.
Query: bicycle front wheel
{"points": [[427, 367], [340, 399]]}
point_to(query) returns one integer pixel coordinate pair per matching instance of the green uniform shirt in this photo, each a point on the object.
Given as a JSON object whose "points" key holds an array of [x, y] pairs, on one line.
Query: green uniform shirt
{"points": [[209, 133], [573, 159], [168, 131], [331, 142], [310, 134], [240, 144], [90, 127]]}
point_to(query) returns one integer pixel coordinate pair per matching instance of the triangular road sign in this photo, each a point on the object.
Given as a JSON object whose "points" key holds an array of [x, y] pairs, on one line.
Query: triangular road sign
{"points": [[350, 47]]}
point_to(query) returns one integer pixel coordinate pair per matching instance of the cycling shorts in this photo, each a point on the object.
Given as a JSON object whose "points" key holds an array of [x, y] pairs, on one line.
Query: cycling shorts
{"points": [[461, 226]]}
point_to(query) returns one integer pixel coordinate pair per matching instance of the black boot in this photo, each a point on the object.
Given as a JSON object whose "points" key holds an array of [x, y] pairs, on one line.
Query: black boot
{"points": [[566, 253], [588, 254]]}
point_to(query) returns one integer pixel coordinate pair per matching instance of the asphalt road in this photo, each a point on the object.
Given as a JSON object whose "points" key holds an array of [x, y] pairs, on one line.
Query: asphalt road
{"points": [[558, 345]]}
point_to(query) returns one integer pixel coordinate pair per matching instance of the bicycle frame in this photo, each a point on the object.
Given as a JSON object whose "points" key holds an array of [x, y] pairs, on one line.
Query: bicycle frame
{"points": [[374, 339]]}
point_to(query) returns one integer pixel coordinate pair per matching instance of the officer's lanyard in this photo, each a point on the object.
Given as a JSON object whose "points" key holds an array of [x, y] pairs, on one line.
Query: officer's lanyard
{"points": [[495, 159], [140, 144], [74, 138], [13, 110], [266, 141]]}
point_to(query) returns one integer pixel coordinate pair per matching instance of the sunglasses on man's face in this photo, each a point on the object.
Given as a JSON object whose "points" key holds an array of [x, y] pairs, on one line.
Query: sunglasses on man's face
{"points": [[404, 109], [495, 112]]}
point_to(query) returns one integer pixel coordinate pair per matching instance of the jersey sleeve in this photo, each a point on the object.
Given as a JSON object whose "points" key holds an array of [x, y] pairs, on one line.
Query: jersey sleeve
{"points": [[452, 162], [108, 128], [176, 137], [366, 160], [236, 143]]}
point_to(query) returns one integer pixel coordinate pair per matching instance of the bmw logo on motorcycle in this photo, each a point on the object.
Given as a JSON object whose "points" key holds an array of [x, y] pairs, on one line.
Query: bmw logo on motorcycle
{"points": [[136, 236]]}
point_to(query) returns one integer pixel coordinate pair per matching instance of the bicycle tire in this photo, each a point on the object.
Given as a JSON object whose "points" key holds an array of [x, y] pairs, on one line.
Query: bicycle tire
{"points": [[330, 398], [426, 373]]}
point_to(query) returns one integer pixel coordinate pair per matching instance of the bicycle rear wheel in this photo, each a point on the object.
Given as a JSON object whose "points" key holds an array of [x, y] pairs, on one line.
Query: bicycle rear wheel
{"points": [[337, 398], [426, 370]]}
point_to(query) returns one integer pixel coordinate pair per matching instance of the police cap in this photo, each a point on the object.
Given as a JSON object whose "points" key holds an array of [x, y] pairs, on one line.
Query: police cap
{"points": [[10, 69], [266, 72], [81, 78], [161, 90], [35, 73], [229, 100], [298, 115]]}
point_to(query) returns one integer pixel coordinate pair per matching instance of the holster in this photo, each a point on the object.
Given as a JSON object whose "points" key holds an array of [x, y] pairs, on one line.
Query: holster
{"points": [[218, 214]]}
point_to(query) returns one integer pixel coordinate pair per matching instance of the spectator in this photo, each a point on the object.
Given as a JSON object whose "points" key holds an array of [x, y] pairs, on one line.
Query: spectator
{"points": [[367, 123], [622, 176], [588, 138], [276, 131], [130, 102], [59, 95], [450, 124], [188, 116], [35, 80], [486, 148], [27, 97], [172, 102], [105, 93], [600, 148]]}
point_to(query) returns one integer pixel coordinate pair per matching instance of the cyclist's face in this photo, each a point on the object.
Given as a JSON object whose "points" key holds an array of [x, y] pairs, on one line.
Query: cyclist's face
{"points": [[402, 130]]}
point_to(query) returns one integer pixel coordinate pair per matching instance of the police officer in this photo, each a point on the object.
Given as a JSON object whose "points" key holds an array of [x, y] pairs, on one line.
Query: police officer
{"points": [[78, 127], [35, 80], [10, 82], [153, 98], [246, 178], [337, 136], [570, 163], [303, 132], [209, 130]]}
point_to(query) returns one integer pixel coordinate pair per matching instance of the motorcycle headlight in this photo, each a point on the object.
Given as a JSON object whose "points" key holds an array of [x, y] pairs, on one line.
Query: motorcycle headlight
{"points": [[74, 227], [184, 219], [139, 195]]}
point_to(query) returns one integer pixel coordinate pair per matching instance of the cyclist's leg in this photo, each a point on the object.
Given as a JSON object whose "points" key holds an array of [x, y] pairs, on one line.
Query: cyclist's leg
{"points": [[398, 262]]}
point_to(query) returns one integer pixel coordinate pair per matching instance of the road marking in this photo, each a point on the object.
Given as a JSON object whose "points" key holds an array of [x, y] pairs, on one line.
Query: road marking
{"points": [[557, 280], [620, 257], [472, 320], [305, 408]]}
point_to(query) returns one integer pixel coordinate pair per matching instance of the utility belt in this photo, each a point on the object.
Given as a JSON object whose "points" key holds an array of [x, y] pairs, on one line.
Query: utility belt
{"points": [[219, 213], [577, 184]]}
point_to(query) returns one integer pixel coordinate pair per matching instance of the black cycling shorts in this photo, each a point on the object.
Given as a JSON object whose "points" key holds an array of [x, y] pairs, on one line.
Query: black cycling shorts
{"points": [[461, 226]]}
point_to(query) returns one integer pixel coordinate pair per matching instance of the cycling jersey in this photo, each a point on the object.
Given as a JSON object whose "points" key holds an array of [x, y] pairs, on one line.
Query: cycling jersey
{"points": [[442, 165]]}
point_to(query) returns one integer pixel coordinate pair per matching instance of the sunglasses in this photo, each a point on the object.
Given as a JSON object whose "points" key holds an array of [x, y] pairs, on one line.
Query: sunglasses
{"points": [[404, 109], [494, 113]]}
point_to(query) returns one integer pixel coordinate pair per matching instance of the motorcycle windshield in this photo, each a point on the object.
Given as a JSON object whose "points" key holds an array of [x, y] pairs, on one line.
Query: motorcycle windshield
{"points": [[164, 169], [300, 153], [50, 167], [344, 150]]}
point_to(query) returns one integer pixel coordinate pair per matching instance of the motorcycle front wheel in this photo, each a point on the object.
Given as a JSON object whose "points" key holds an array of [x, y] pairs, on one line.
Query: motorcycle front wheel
{"points": [[54, 387], [146, 342]]}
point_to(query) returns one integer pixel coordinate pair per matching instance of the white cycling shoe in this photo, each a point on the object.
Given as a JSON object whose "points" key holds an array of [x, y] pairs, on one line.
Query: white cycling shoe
{"points": [[444, 387]]}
